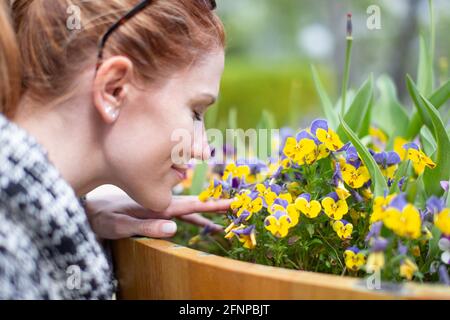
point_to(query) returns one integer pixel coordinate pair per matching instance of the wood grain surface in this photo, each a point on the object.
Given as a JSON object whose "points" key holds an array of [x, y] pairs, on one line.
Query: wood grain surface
{"points": [[157, 269]]}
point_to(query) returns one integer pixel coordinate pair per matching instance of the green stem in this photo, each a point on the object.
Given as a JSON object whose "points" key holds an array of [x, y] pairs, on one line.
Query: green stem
{"points": [[337, 255], [227, 253], [432, 40], [348, 56]]}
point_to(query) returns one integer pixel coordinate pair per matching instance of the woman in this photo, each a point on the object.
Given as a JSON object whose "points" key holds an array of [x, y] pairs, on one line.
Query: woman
{"points": [[101, 114]]}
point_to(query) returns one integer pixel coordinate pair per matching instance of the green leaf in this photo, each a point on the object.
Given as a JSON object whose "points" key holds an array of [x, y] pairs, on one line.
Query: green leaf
{"points": [[414, 188], [356, 114], [437, 99], [199, 178], [327, 106], [389, 114], [427, 141], [379, 184], [421, 109], [448, 198], [432, 178], [425, 70], [350, 97], [433, 250], [367, 121]]}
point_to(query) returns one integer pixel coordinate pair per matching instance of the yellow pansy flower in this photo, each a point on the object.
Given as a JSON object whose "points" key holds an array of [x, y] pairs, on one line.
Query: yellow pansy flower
{"points": [[408, 268], [278, 224], [442, 221], [343, 229], [419, 159], [326, 135], [241, 200], [379, 208], [301, 149], [235, 171], [334, 207], [354, 177], [246, 236], [399, 142], [342, 191], [214, 191], [405, 223], [267, 193], [310, 208], [354, 259]]}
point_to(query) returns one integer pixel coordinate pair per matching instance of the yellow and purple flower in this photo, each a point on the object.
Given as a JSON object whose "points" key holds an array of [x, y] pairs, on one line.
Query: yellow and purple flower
{"points": [[419, 159], [310, 208], [268, 193], [278, 223], [234, 171], [343, 229], [286, 206], [442, 221], [388, 162], [380, 206], [326, 135], [354, 259], [301, 149], [236, 223], [403, 218], [214, 191], [355, 177], [246, 235], [247, 201], [334, 207]]}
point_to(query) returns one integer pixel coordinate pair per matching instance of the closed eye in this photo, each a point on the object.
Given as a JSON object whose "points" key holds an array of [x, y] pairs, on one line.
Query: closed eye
{"points": [[197, 116]]}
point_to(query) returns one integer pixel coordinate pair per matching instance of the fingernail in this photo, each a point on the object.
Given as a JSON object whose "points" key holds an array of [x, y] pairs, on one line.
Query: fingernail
{"points": [[169, 228]]}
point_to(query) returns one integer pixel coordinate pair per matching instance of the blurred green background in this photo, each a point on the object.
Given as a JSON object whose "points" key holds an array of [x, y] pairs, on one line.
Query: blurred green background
{"points": [[271, 45]]}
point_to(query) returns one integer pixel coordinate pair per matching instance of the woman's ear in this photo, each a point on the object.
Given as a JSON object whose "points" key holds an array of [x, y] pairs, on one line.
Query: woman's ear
{"points": [[110, 87]]}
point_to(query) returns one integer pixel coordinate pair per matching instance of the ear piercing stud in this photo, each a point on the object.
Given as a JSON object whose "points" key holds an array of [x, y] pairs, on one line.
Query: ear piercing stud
{"points": [[113, 113]]}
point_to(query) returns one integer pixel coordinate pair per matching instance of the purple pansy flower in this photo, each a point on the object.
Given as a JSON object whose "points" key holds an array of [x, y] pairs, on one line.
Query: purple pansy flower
{"points": [[435, 205], [399, 202], [246, 231], [374, 231], [386, 159], [337, 175], [411, 145], [445, 185], [379, 244]]}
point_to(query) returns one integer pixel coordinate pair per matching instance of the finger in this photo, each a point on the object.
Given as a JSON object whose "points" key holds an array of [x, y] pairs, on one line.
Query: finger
{"points": [[191, 204], [201, 221], [118, 226]]}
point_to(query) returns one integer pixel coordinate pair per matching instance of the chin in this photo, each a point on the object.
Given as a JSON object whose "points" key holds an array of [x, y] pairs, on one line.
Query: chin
{"points": [[159, 201]]}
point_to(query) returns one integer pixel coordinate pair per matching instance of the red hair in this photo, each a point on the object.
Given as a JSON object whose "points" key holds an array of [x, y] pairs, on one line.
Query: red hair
{"points": [[9, 64], [167, 35]]}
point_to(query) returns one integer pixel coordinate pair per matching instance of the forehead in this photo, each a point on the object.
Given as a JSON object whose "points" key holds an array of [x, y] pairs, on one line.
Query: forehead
{"points": [[204, 75]]}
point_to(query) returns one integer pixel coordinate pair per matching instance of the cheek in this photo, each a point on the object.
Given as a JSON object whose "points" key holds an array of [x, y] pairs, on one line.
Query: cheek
{"points": [[139, 154]]}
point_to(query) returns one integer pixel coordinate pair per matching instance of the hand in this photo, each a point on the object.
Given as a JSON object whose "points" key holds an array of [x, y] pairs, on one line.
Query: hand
{"points": [[114, 215]]}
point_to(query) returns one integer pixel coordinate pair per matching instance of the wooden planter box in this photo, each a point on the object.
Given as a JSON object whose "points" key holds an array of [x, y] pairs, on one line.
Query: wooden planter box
{"points": [[157, 269]]}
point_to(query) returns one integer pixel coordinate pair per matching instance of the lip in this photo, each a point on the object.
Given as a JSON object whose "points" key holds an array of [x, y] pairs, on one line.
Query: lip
{"points": [[180, 171]]}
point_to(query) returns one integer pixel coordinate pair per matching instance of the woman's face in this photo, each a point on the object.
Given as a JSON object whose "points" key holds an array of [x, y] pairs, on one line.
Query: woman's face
{"points": [[139, 146]]}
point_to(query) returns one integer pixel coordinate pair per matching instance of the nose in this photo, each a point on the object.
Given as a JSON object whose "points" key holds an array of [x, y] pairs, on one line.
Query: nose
{"points": [[200, 148]]}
